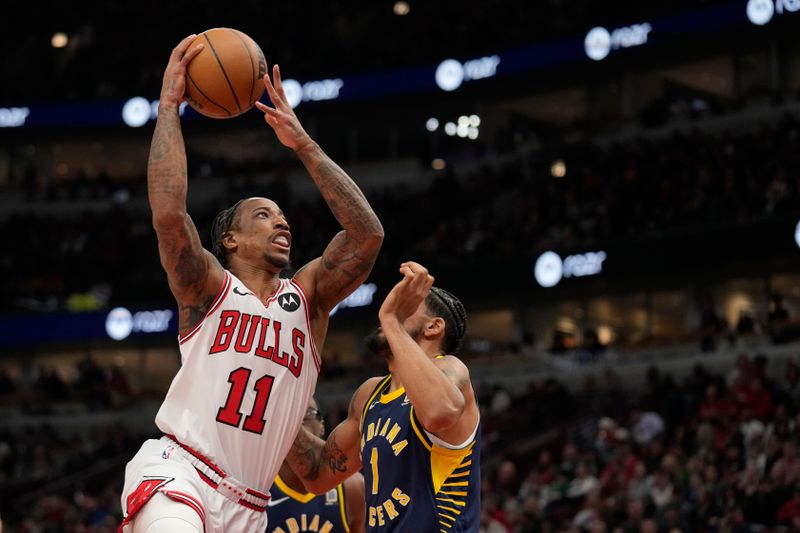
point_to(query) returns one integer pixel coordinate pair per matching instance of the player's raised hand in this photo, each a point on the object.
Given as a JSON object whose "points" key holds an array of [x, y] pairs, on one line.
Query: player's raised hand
{"points": [[281, 117], [173, 86], [405, 297]]}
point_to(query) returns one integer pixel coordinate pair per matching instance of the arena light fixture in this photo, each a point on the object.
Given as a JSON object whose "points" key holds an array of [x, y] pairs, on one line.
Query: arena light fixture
{"points": [[401, 8], [558, 169], [59, 40]]}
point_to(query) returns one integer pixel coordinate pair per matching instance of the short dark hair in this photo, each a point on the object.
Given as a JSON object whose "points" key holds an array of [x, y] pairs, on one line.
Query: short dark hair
{"points": [[445, 305], [222, 224]]}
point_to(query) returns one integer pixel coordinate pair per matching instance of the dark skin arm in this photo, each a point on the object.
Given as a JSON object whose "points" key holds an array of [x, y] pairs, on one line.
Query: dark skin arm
{"points": [[348, 259], [194, 275], [439, 389], [323, 464], [356, 504]]}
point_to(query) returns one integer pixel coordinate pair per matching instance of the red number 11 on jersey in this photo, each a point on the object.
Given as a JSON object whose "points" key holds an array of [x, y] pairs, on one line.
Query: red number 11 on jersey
{"points": [[229, 413]]}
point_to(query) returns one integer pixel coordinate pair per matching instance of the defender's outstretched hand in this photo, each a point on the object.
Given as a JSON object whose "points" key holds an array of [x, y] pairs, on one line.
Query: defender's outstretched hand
{"points": [[281, 117], [405, 297]]}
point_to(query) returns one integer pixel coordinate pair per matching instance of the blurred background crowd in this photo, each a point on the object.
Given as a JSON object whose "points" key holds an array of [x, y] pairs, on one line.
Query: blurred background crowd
{"points": [[653, 385]]}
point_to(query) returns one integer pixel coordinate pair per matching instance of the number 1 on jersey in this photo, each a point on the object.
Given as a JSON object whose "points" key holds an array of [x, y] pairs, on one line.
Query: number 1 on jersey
{"points": [[373, 461], [229, 413]]}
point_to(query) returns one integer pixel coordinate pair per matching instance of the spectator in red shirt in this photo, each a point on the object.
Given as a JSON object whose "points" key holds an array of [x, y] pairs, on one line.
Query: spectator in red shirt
{"points": [[789, 513]]}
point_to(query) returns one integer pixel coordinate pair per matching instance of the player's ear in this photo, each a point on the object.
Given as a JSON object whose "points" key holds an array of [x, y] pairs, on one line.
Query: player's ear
{"points": [[229, 241], [434, 327]]}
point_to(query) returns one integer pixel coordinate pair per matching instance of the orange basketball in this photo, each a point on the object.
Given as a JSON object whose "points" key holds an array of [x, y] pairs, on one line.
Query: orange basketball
{"points": [[225, 79]]}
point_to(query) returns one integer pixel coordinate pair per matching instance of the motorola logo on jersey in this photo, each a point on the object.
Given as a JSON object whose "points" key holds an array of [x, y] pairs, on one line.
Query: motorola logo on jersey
{"points": [[289, 302]]}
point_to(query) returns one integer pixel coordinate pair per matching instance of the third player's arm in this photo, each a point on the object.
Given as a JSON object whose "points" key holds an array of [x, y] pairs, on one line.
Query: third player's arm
{"points": [[323, 464]]}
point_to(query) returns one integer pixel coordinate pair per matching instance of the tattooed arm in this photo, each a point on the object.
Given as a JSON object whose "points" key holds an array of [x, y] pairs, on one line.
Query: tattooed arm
{"points": [[323, 464], [349, 257], [194, 274]]}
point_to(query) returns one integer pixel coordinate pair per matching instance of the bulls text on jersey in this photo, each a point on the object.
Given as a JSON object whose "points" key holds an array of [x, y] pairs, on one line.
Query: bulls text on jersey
{"points": [[260, 336]]}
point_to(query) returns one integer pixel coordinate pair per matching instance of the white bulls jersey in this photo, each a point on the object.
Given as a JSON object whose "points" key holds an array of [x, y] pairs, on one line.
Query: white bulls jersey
{"points": [[248, 371]]}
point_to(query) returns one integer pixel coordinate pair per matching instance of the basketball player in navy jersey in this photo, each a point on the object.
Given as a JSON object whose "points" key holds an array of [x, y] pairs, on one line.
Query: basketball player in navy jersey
{"points": [[294, 510], [415, 432], [249, 339]]}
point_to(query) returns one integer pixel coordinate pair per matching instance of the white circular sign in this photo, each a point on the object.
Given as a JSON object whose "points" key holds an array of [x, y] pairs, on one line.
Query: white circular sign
{"points": [[759, 12], [548, 269], [797, 234], [136, 112], [119, 323], [597, 43], [449, 75], [294, 92]]}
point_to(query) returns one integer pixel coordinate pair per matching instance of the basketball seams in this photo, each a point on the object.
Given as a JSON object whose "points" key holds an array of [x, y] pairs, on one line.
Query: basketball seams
{"points": [[225, 74], [253, 65], [204, 95]]}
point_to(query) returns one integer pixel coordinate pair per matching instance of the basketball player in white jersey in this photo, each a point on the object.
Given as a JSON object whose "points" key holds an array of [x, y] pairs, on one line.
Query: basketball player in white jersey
{"points": [[249, 340]]}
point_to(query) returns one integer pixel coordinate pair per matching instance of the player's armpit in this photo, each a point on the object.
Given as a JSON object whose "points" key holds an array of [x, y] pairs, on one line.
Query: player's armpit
{"points": [[455, 425], [455, 370]]}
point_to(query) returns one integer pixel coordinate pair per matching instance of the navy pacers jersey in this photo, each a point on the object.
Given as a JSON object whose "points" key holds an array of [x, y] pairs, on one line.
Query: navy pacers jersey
{"points": [[290, 511], [412, 482]]}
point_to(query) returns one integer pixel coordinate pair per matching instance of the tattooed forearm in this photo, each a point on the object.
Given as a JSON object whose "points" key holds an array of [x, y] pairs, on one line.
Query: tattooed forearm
{"points": [[333, 456], [342, 195], [166, 165], [304, 455], [309, 455]]}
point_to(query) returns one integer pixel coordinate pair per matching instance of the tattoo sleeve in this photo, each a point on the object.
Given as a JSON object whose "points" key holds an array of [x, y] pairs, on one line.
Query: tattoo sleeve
{"points": [[352, 252], [309, 455], [191, 315], [166, 165], [179, 244]]}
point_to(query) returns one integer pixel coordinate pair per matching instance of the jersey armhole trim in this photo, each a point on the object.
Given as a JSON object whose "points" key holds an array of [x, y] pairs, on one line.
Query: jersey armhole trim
{"points": [[375, 392], [343, 506], [447, 446], [314, 352]]}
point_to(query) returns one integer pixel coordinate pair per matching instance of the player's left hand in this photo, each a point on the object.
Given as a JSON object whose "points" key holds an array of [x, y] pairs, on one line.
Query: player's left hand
{"points": [[405, 297], [281, 117]]}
